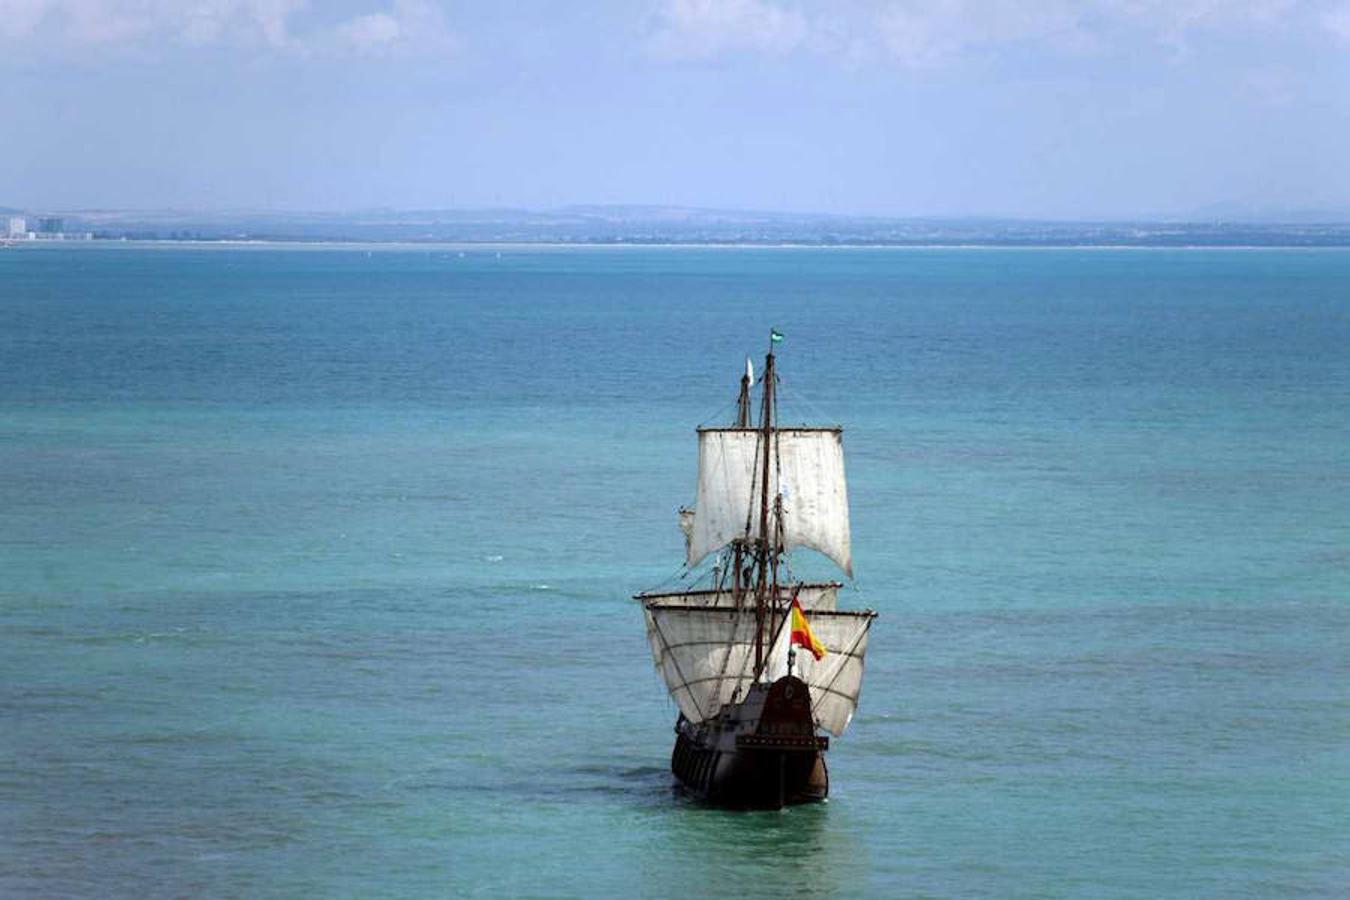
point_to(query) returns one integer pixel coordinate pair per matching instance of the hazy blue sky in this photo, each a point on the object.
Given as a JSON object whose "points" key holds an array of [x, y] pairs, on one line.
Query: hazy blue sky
{"points": [[906, 107]]}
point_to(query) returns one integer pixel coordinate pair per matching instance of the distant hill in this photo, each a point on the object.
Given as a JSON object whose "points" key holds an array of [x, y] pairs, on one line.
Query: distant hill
{"points": [[1256, 214], [643, 224]]}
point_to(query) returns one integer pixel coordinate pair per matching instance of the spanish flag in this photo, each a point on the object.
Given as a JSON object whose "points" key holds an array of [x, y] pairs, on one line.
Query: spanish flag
{"points": [[801, 632]]}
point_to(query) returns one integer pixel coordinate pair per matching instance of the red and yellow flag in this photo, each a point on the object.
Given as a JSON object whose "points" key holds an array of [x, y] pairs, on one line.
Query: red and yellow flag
{"points": [[801, 632]]}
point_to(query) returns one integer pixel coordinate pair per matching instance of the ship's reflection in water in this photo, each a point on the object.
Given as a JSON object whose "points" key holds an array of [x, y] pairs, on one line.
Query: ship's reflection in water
{"points": [[801, 851]]}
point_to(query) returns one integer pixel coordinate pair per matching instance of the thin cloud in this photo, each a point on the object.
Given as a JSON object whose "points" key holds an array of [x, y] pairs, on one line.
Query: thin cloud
{"points": [[55, 26], [700, 29], [410, 26], [91, 23], [931, 33], [1337, 21], [371, 31]]}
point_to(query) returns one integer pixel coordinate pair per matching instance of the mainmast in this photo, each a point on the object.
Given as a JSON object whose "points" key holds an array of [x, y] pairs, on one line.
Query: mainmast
{"points": [[765, 550]]}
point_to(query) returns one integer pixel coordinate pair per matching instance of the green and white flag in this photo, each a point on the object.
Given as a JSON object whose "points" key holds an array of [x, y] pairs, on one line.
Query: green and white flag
{"points": [[774, 336]]}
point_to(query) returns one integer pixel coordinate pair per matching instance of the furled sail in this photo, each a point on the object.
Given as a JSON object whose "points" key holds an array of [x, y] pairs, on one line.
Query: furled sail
{"points": [[835, 679], [806, 468], [687, 525], [706, 655], [811, 596]]}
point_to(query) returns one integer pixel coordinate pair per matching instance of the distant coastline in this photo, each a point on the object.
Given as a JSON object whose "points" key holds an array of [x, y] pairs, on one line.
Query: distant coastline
{"points": [[619, 246], [661, 226]]}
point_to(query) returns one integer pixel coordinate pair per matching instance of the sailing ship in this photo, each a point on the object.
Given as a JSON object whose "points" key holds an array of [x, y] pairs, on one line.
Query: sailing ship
{"points": [[751, 707]]}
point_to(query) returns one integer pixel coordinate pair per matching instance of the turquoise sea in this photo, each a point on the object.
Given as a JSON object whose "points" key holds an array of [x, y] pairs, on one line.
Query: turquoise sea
{"points": [[316, 564]]}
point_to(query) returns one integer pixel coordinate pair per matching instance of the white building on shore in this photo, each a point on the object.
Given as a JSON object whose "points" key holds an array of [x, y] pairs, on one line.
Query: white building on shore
{"points": [[15, 228]]}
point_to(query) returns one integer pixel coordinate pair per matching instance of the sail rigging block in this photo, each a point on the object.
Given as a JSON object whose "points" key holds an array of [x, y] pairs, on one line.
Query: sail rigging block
{"points": [[806, 469]]}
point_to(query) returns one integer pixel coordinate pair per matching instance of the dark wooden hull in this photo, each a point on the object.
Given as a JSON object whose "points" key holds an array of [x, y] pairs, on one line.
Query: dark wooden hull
{"points": [[762, 754]]}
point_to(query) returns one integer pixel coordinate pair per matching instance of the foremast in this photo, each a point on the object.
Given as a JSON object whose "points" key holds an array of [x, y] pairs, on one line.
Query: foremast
{"points": [[738, 545]]}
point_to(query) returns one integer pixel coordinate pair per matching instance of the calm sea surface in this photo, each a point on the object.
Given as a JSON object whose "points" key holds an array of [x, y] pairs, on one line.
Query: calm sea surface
{"points": [[315, 565]]}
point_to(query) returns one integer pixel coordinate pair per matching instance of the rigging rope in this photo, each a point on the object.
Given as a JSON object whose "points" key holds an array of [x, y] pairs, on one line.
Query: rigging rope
{"points": [[797, 397]]}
